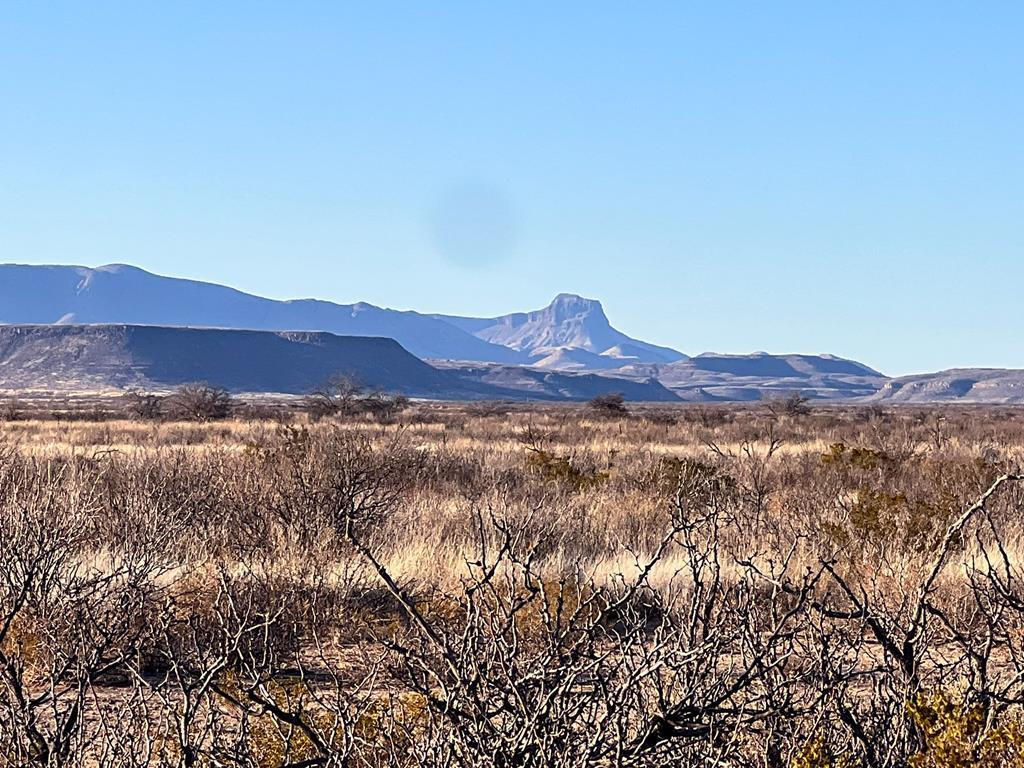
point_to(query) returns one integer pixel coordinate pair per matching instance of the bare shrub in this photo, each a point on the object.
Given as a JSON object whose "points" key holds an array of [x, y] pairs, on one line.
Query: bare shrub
{"points": [[142, 405], [10, 410], [344, 395], [198, 402], [338, 396], [612, 404], [794, 404]]}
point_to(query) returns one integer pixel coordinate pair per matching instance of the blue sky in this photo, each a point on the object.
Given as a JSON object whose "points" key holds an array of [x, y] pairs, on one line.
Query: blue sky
{"points": [[841, 177]]}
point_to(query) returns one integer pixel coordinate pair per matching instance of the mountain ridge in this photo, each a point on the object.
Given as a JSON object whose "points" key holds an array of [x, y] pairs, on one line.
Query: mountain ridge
{"points": [[126, 294], [960, 385], [719, 377], [122, 293]]}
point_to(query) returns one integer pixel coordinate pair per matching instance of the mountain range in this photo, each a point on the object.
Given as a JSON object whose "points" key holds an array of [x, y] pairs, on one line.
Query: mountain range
{"points": [[119, 293], [119, 326]]}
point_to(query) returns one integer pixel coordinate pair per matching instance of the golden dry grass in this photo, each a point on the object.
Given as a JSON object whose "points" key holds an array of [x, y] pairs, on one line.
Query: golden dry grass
{"points": [[257, 511]]}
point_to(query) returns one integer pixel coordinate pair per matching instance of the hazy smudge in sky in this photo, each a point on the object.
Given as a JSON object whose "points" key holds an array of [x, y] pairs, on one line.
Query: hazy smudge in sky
{"points": [[474, 224]]}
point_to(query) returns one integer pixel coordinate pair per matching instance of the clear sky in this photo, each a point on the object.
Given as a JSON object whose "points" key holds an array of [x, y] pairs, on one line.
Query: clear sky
{"points": [[842, 177]]}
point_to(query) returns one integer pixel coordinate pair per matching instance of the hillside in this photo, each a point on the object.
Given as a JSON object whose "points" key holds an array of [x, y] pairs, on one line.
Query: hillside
{"points": [[127, 295], [711, 377], [105, 358], [961, 385], [536, 383]]}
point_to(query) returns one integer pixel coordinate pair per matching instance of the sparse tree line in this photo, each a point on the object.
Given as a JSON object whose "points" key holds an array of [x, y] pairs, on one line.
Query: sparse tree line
{"points": [[190, 402], [344, 395], [340, 396], [857, 606]]}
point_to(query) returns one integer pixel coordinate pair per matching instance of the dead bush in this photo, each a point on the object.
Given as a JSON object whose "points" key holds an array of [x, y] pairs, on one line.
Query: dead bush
{"points": [[198, 402]]}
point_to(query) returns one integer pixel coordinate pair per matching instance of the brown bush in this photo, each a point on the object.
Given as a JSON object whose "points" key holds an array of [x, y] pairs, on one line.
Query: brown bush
{"points": [[198, 402]]}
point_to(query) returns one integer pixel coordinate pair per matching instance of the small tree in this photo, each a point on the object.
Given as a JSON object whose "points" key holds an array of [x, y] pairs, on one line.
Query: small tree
{"points": [[344, 395], [795, 404], [199, 402], [611, 404], [142, 405], [384, 407], [339, 395], [10, 410]]}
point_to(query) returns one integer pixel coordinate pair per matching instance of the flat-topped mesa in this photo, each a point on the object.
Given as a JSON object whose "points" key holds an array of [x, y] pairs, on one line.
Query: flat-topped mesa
{"points": [[568, 306], [116, 357], [103, 357]]}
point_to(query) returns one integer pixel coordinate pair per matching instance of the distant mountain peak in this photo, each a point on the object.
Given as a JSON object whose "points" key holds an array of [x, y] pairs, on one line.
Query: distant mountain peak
{"points": [[568, 306], [574, 300], [570, 332]]}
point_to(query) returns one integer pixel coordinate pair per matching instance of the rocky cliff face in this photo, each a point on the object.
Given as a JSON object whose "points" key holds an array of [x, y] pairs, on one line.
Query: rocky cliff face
{"points": [[571, 332]]}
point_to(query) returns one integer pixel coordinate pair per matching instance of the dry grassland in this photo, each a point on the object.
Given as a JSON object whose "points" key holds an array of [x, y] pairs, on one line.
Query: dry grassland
{"points": [[464, 585]]}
